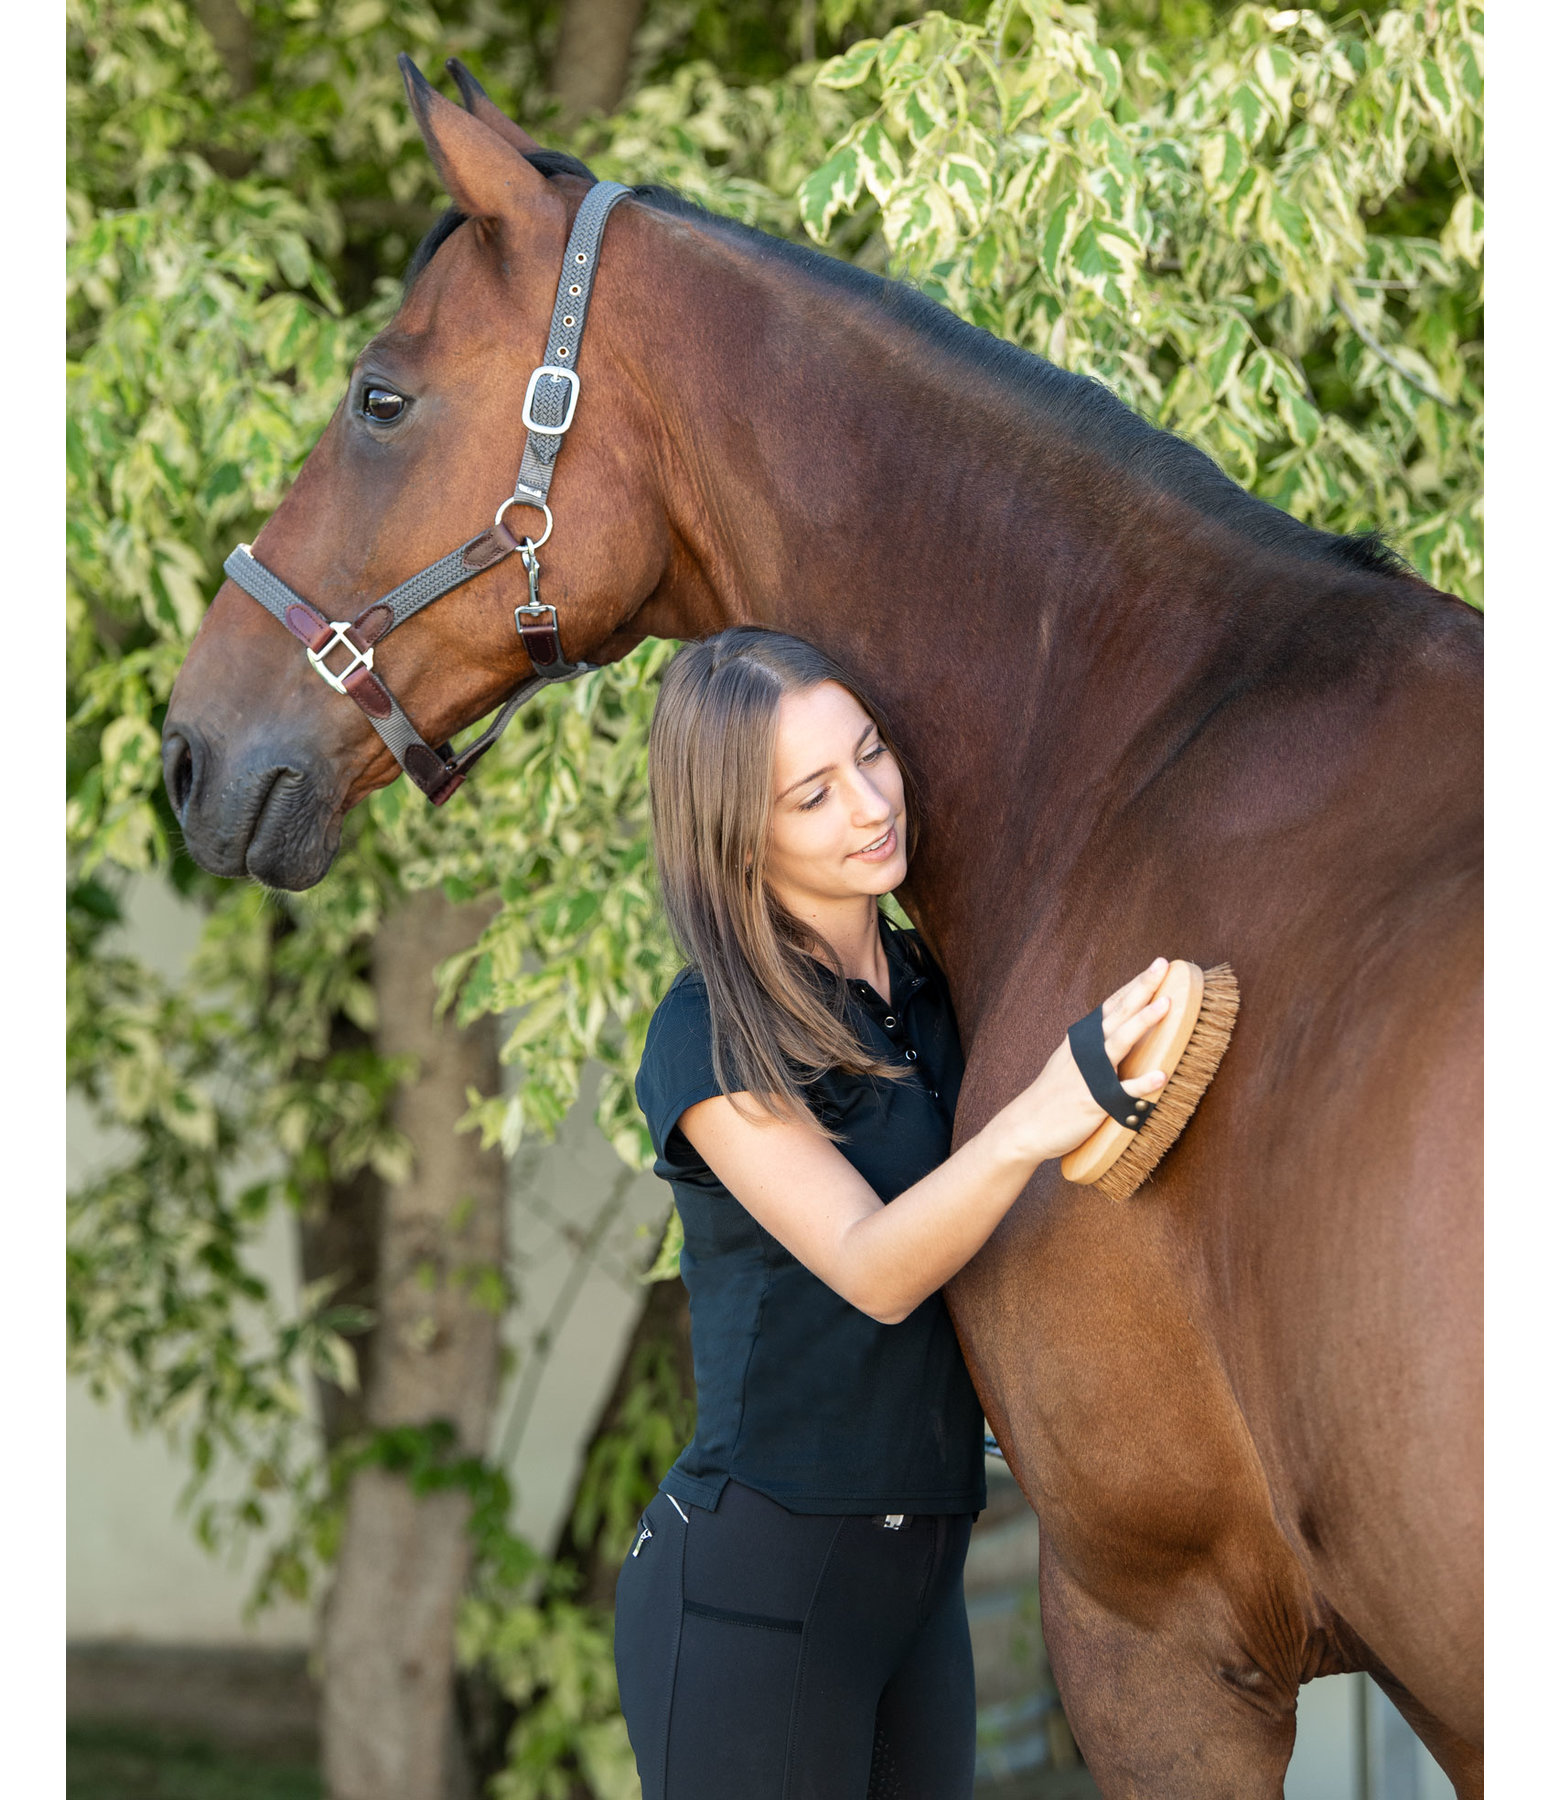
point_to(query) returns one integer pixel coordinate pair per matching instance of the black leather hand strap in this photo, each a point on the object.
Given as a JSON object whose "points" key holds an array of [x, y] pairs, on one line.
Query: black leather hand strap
{"points": [[1086, 1038]]}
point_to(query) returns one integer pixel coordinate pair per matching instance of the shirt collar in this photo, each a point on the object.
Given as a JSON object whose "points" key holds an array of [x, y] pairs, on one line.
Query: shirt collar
{"points": [[905, 979]]}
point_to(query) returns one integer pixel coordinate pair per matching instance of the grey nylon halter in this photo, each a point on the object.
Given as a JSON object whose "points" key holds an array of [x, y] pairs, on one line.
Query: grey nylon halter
{"points": [[548, 408]]}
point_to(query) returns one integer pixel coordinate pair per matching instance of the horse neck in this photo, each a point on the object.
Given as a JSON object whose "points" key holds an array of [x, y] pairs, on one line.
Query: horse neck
{"points": [[1043, 629]]}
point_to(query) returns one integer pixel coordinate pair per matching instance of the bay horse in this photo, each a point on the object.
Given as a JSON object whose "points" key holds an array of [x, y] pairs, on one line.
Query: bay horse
{"points": [[1149, 714]]}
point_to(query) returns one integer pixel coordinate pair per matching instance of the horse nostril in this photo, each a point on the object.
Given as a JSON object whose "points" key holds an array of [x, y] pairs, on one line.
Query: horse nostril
{"points": [[177, 768]]}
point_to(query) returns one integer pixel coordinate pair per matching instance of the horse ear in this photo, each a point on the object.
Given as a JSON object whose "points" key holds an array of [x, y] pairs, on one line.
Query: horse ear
{"points": [[484, 109], [482, 172]]}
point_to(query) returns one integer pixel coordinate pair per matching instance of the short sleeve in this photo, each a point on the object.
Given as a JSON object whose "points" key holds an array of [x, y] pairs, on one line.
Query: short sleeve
{"points": [[676, 1070]]}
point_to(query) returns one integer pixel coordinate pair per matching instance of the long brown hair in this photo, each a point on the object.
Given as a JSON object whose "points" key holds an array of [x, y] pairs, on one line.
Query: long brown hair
{"points": [[776, 1021]]}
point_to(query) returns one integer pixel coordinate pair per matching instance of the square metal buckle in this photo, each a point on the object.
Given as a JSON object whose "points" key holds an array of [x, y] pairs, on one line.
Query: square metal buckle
{"points": [[573, 381], [359, 659]]}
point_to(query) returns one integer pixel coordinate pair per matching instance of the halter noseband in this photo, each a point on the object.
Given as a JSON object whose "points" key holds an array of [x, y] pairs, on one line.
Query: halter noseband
{"points": [[548, 407]]}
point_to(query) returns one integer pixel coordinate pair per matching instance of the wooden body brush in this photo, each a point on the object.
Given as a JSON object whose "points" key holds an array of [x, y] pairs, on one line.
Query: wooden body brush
{"points": [[1187, 1044]]}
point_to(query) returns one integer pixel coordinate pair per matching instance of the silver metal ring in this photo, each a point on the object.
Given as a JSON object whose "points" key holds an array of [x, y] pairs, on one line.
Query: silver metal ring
{"points": [[537, 506]]}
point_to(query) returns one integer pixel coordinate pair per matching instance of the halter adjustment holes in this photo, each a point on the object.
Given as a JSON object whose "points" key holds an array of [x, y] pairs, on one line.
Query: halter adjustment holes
{"points": [[383, 405]]}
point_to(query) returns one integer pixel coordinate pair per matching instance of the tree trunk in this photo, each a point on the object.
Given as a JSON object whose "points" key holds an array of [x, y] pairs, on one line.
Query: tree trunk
{"points": [[231, 31], [592, 62], [339, 1235], [389, 1730]]}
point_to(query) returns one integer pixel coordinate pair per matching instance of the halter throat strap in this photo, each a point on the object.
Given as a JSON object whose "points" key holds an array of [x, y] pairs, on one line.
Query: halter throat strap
{"points": [[343, 651]]}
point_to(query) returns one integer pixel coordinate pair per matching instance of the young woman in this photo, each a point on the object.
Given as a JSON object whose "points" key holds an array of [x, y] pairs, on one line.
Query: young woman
{"points": [[790, 1620]]}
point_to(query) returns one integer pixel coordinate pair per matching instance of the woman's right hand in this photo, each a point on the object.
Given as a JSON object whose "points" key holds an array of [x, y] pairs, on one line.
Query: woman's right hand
{"points": [[887, 1259], [1056, 1110]]}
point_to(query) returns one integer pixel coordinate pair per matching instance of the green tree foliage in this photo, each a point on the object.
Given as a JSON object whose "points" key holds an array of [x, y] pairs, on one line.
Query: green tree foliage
{"points": [[1262, 227], [1271, 244]]}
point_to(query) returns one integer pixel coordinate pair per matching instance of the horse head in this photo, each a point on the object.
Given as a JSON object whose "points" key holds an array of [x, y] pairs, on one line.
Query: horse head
{"points": [[261, 759]]}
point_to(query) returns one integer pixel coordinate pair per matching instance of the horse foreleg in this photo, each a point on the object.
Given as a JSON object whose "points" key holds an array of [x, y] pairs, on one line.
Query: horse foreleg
{"points": [[1461, 1761], [1158, 1710]]}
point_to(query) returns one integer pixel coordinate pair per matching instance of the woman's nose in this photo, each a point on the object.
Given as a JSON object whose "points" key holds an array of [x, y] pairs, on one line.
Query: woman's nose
{"points": [[871, 805]]}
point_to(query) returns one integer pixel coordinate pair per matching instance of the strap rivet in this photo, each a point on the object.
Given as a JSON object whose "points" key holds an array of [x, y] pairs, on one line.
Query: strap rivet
{"points": [[569, 320], [1132, 1120], [562, 351], [581, 256], [575, 287]]}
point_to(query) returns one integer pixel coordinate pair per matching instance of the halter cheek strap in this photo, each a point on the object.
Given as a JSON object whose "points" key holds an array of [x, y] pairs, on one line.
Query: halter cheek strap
{"points": [[342, 651]]}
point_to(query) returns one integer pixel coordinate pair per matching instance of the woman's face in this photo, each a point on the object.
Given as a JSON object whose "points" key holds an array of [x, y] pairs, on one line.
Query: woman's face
{"points": [[837, 827]]}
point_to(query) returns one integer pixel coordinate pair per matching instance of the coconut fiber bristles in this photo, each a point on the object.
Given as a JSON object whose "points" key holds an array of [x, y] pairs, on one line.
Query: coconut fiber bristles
{"points": [[1188, 1045]]}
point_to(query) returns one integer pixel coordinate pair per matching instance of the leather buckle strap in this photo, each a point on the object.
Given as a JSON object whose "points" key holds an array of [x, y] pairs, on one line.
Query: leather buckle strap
{"points": [[553, 388], [540, 632], [1092, 1059], [361, 655], [432, 772], [569, 385]]}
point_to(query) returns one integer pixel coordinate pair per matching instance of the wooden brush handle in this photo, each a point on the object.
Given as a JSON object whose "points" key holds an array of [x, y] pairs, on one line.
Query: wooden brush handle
{"points": [[1160, 1048]]}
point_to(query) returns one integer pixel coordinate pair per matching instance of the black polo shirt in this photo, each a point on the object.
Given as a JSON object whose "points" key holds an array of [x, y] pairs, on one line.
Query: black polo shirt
{"points": [[802, 1395]]}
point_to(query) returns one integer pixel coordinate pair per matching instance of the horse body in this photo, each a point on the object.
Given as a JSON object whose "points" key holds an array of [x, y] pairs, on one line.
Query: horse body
{"points": [[1264, 1370], [1170, 743], [1147, 715]]}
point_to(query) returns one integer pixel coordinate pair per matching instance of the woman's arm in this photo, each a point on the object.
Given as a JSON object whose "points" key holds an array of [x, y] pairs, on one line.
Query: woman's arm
{"points": [[887, 1259]]}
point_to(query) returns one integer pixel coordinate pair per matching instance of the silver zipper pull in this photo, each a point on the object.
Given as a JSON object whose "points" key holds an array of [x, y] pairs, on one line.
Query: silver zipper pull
{"points": [[645, 1532]]}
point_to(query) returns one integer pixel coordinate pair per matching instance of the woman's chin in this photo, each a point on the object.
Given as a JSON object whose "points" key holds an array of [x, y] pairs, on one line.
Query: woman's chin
{"points": [[881, 878]]}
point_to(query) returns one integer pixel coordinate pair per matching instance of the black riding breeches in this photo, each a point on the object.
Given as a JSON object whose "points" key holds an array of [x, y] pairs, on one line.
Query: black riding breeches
{"points": [[769, 1655]]}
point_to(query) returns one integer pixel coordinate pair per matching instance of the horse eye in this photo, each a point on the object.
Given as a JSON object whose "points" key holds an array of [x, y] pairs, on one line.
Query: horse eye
{"points": [[383, 405]]}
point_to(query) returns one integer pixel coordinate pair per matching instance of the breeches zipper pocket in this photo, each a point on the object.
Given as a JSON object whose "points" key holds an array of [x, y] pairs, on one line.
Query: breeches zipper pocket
{"points": [[725, 1616]]}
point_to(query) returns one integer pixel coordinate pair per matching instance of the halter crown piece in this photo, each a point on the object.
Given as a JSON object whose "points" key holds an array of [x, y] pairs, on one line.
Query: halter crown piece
{"points": [[548, 407]]}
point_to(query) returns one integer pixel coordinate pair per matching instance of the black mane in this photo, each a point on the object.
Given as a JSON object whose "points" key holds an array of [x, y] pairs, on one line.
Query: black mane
{"points": [[1078, 403], [548, 163], [430, 244]]}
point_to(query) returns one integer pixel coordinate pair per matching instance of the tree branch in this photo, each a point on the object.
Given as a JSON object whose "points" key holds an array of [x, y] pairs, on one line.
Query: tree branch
{"points": [[592, 61], [231, 31], [1393, 362]]}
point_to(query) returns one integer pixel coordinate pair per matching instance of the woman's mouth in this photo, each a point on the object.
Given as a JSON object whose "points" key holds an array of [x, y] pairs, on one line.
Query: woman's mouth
{"points": [[880, 849]]}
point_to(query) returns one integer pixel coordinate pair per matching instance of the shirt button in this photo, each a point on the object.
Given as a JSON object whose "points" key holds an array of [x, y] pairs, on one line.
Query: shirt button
{"points": [[909, 1056], [890, 1020]]}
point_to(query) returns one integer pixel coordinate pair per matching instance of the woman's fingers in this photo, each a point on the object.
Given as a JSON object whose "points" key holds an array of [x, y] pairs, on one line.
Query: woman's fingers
{"points": [[1135, 993], [1146, 1084], [1122, 1036]]}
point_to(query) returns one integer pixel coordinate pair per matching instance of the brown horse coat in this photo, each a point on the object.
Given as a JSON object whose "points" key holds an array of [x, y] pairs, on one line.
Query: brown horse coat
{"points": [[1149, 715]]}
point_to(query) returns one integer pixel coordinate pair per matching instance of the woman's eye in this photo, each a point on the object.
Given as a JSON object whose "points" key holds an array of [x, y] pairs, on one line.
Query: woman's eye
{"points": [[872, 755], [808, 804], [383, 405]]}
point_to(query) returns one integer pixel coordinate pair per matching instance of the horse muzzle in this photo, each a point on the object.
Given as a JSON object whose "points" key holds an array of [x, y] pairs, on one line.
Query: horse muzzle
{"points": [[274, 817]]}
